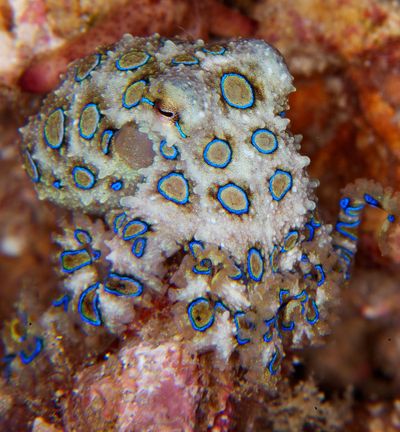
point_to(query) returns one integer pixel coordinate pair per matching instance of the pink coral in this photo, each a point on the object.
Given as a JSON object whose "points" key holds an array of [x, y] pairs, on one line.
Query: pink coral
{"points": [[147, 388], [39, 38]]}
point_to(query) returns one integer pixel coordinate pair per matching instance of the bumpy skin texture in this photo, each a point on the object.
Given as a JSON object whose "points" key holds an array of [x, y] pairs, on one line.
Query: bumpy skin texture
{"points": [[195, 191]]}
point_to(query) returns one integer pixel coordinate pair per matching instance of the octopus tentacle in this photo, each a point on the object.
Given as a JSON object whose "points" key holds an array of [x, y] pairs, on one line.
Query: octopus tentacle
{"points": [[357, 197]]}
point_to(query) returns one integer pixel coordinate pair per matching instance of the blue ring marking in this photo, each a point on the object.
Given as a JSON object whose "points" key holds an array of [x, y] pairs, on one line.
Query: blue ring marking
{"points": [[89, 71], [316, 311], [369, 199], [117, 185], [91, 135], [148, 101], [61, 139], [139, 247], [28, 358], [80, 232], [344, 253], [220, 305], [304, 258], [137, 66], [118, 222], [96, 254], [353, 211], [162, 180], [240, 340], [271, 364], [193, 62], [288, 187], [391, 218], [192, 246], [227, 207], [67, 253], [268, 335], [220, 52], [96, 321], [308, 276], [321, 274], [57, 184], [261, 150], [238, 275], [35, 171], [345, 258], [193, 304], [288, 327], [253, 251], [142, 230], [122, 278], [91, 175], [206, 263], [315, 223], [105, 140], [344, 203], [181, 133], [175, 154], [62, 301], [283, 295], [311, 231], [134, 104], [303, 297], [340, 228], [210, 145], [274, 254], [288, 235], [222, 84]]}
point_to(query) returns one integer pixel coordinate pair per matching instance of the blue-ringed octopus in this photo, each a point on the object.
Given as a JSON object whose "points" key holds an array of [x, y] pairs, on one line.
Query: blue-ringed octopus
{"points": [[186, 184]]}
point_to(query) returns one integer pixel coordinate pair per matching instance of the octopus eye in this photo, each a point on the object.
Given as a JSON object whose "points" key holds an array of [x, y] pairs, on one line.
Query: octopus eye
{"points": [[166, 111]]}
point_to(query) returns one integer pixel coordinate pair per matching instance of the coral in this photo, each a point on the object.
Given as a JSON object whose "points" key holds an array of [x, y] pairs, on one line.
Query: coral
{"points": [[39, 40]]}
